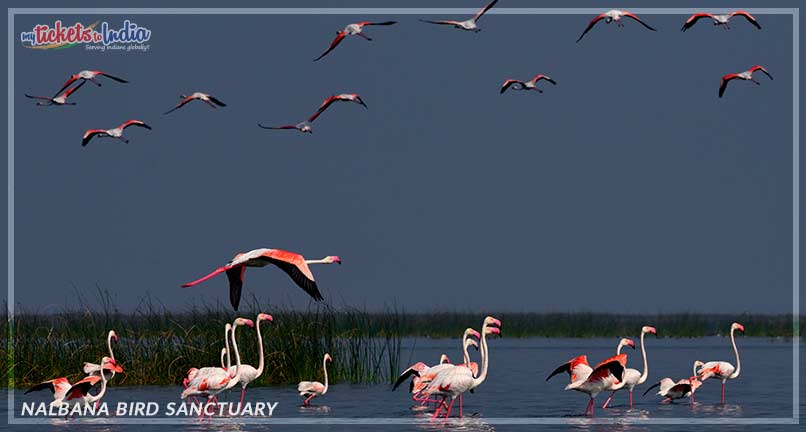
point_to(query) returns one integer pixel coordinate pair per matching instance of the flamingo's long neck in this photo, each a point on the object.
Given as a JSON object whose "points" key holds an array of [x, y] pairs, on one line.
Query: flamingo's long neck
{"points": [[645, 373], [109, 345], [324, 369], [226, 344], [260, 348], [237, 375], [735, 351], [93, 399], [484, 359], [466, 356], [319, 261]]}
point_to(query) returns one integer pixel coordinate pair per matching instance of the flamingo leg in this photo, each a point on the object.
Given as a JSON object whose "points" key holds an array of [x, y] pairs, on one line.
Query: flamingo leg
{"points": [[439, 408], [448, 414], [240, 404], [364, 36], [723, 392], [308, 400], [460, 405], [588, 407], [609, 398], [631, 398]]}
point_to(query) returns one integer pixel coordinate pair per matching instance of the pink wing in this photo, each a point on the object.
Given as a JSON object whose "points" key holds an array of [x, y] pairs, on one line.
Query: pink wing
{"points": [[591, 24], [749, 17], [333, 44], [693, 20], [484, 10], [181, 104], [134, 123]]}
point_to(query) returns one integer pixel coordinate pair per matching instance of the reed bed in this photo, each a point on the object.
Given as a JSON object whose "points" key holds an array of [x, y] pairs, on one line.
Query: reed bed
{"points": [[157, 346]]}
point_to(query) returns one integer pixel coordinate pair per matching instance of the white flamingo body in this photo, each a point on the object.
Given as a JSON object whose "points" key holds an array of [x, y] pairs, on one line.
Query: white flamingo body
{"points": [[606, 375], [312, 389]]}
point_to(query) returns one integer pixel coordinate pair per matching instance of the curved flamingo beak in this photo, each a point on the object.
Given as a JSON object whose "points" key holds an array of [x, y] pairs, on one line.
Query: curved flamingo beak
{"points": [[494, 330], [740, 327], [476, 334], [115, 337], [265, 317], [652, 330], [248, 322], [336, 259], [630, 343]]}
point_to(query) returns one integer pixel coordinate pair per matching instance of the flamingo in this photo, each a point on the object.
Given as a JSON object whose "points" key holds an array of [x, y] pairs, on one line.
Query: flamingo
{"points": [[303, 127], [605, 375], [312, 389], [59, 99], [95, 369], [213, 380], [526, 85], [90, 75], [78, 393], [249, 373], [719, 20], [678, 390], [114, 133], [295, 265], [610, 16], [353, 29], [469, 24], [346, 97], [452, 382], [721, 369], [632, 377], [204, 97], [746, 76]]}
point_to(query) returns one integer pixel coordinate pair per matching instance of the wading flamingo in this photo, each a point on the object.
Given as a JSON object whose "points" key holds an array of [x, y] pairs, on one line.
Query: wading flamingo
{"points": [[59, 99], [79, 394], [353, 29], [293, 264], [719, 20], [678, 390], [603, 376], [90, 75], [312, 389], [212, 381], [746, 76], [204, 97], [632, 377], [526, 85], [469, 24], [95, 369], [453, 381], [114, 133], [610, 16], [721, 369], [249, 373]]}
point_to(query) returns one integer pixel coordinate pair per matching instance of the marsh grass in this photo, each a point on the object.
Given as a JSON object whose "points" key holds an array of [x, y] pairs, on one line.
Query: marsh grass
{"points": [[157, 346]]}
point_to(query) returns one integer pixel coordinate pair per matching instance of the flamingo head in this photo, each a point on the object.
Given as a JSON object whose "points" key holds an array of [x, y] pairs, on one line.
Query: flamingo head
{"points": [[492, 331], [698, 364], [472, 342], [443, 359], [227, 327], [333, 259], [113, 335], [107, 361], [491, 321], [627, 342], [223, 351], [264, 317], [470, 332], [737, 326], [328, 358], [243, 321], [648, 329], [191, 373]]}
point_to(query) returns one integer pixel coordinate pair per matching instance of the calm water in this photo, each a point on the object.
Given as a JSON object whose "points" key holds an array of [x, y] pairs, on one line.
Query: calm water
{"points": [[516, 387]]}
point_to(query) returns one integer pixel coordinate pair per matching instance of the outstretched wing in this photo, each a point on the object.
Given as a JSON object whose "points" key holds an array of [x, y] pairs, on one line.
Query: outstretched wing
{"points": [[539, 77], [760, 68], [339, 37], [81, 388], [693, 20], [278, 127], [72, 79], [323, 107], [590, 25], [484, 10], [404, 376], [121, 80], [294, 265], [216, 101], [724, 84], [181, 104], [88, 135], [635, 17], [747, 16], [134, 123], [72, 89], [235, 277], [442, 22], [367, 23], [657, 384], [508, 83]]}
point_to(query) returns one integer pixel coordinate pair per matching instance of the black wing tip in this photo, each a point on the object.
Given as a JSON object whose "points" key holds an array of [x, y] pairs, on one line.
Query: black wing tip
{"points": [[651, 387]]}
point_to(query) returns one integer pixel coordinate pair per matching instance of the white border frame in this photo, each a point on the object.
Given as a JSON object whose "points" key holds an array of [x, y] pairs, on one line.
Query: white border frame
{"points": [[794, 12]]}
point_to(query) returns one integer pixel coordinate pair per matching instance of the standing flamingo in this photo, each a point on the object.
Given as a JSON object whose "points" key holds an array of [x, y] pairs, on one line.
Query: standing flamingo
{"points": [[526, 85], [452, 382], [90, 75], [632, 377], [293, 264], [59, 99], [468, 24], [78, 394], [746, 76], [603, 376], [95, 369], [204, 97], [721, 369], [312, 389], [353, 29], [114, 133], [211, 381], [719, 20], [249, 373], [610, 16]]}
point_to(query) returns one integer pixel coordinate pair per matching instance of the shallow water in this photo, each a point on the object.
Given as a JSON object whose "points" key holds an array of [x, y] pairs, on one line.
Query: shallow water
{"points": [[515, 388]]}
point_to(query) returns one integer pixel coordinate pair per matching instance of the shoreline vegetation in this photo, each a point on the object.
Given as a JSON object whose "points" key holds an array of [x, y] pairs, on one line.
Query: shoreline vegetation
{"points": [[158, 346]]}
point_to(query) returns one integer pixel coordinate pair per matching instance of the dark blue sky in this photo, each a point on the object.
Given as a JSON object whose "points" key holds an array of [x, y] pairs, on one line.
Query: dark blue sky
{"points": [[629, 186]]}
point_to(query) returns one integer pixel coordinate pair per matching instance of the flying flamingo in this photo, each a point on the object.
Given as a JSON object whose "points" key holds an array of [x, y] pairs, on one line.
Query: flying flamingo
{"points": [[610, 16], [312, 389], [721, 369], [295, 265], [114, 133], [452, 382], [78, 393], [59, 99], [719, 20], [526, 85], [353, 29], [598, 379], [678, 390], [632, 377], [469, 24], [204, 97], [214, 380], [249, 373], [90, 75], [746, 76]]}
